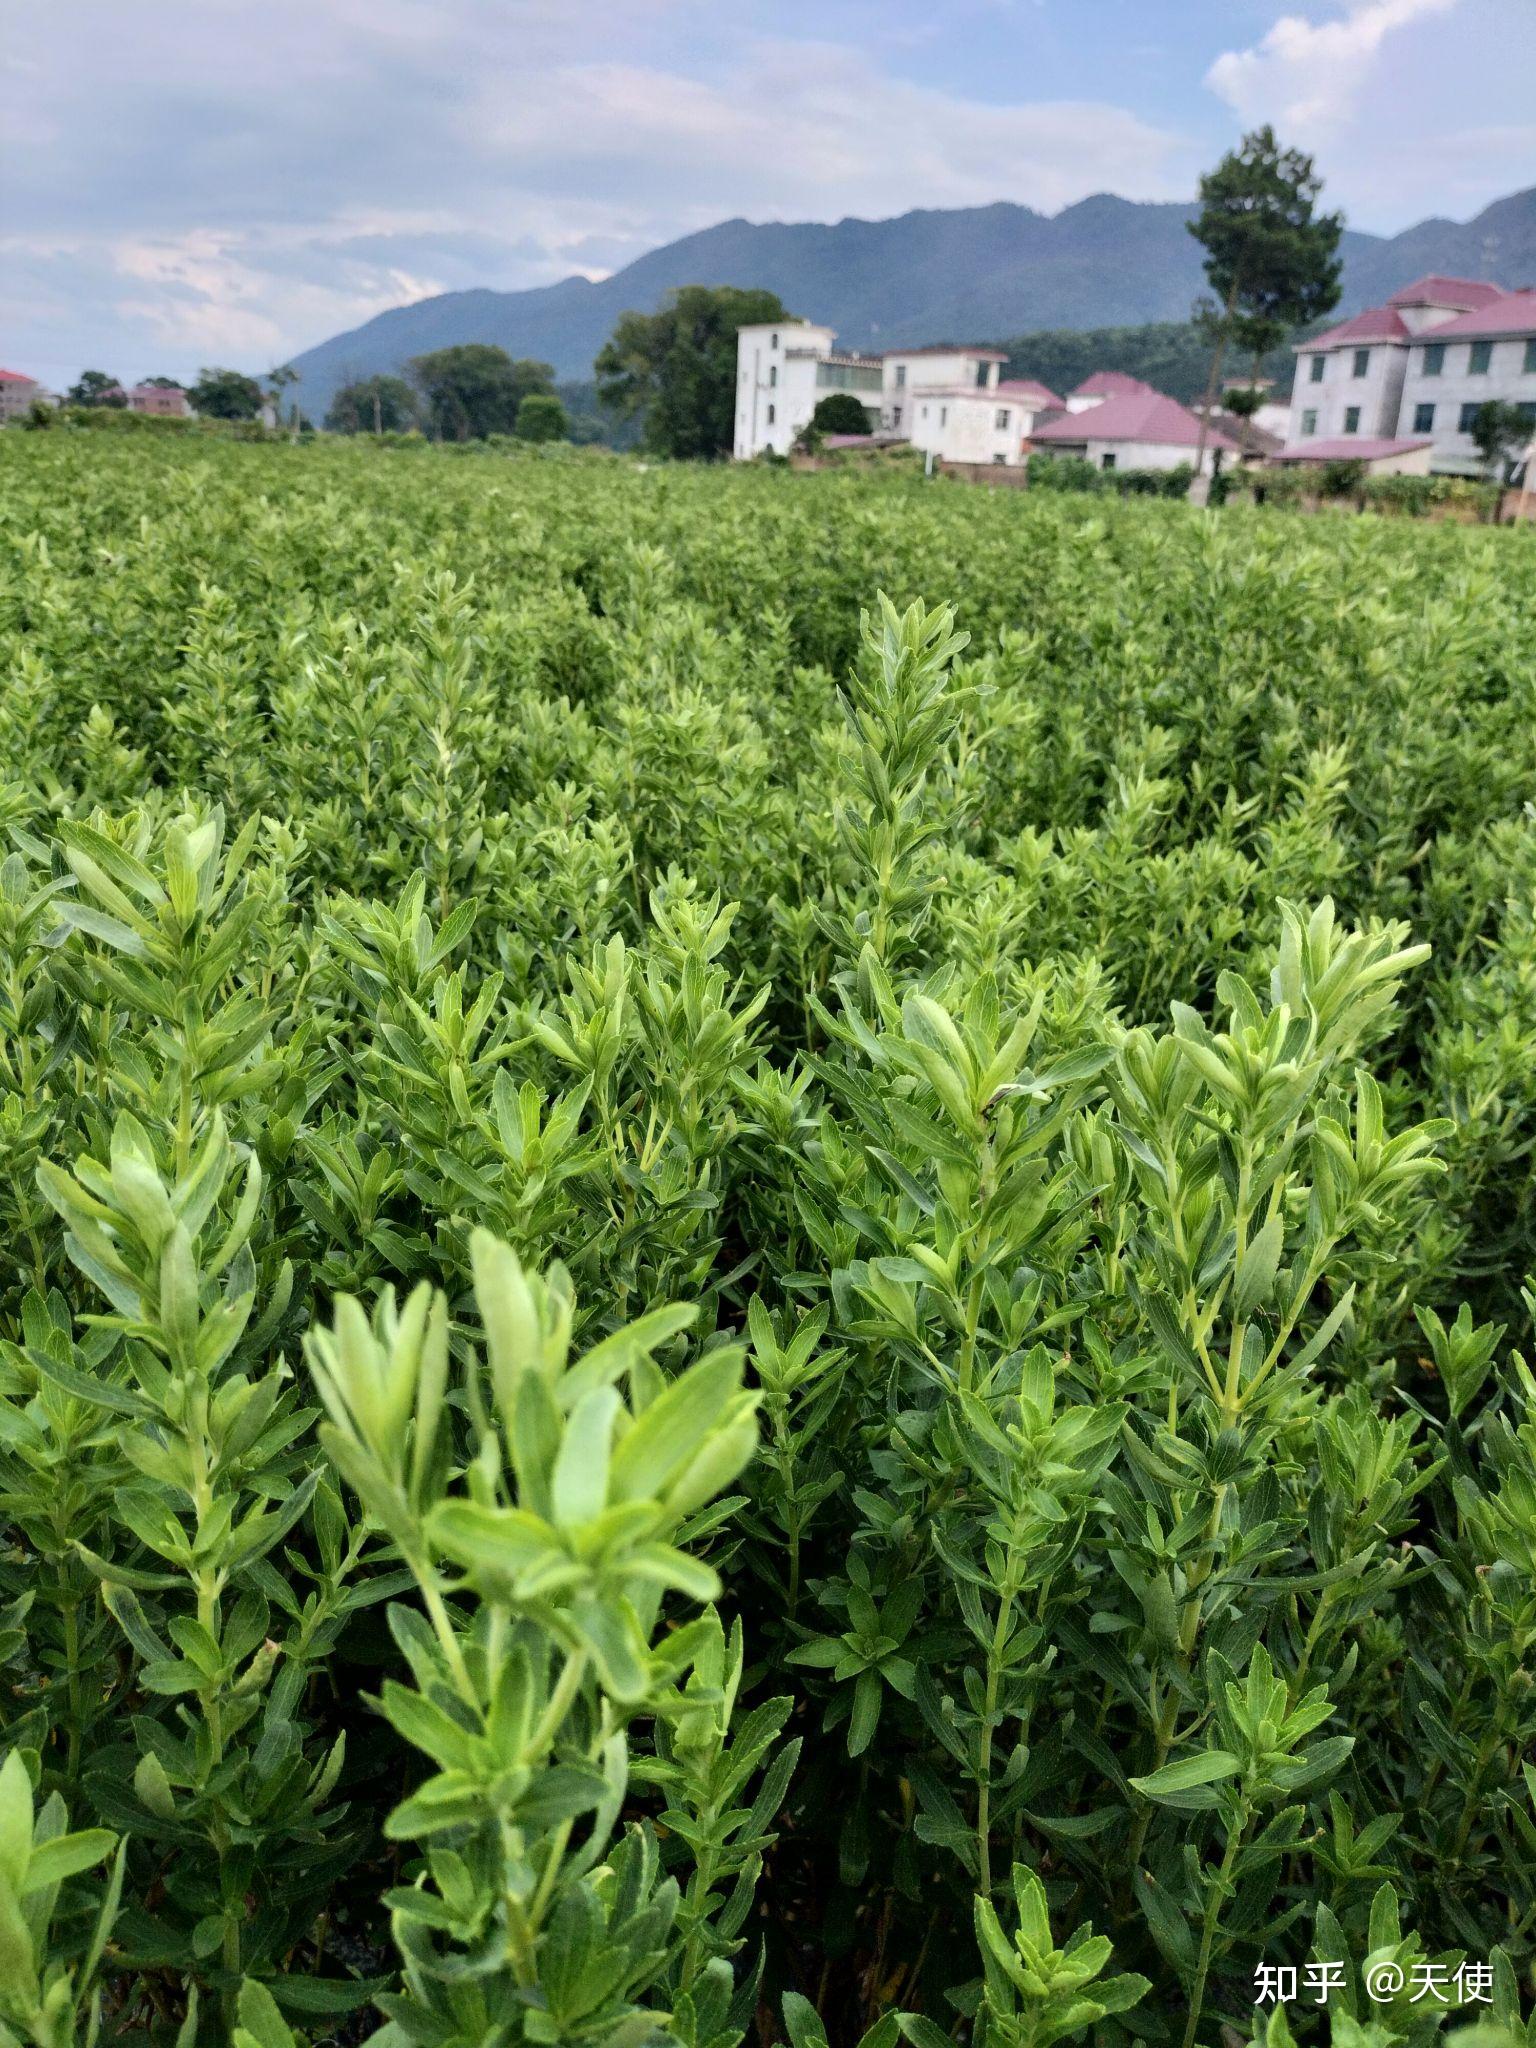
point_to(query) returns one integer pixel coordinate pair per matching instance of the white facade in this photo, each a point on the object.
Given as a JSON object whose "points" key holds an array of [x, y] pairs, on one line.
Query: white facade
{"points": [[17, 393], [1351, 388], [988, 423], [1139, 454], [783, 370], [1440, 401], [1418, 367], [907, 373]]}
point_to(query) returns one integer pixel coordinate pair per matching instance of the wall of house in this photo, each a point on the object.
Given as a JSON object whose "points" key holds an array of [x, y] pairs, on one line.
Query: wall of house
{"points": [[15, 399], [928, 372], [967, 430], [1506, 378], [776, 387], [1141, 454], [1378, 393]]}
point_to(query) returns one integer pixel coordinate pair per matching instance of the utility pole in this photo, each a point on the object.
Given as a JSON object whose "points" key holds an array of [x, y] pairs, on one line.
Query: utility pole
{"points": [[378, 417]]}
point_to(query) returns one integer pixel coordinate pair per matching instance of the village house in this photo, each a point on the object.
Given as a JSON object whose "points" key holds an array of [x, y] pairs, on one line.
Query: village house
{"points": [[163, 401], [18, 392], [1397, 387], [973, 423], [1121, 423], [784, 368]]}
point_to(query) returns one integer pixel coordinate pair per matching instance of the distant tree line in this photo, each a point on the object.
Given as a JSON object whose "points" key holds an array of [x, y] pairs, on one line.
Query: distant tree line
{"points": [[465, 393]]}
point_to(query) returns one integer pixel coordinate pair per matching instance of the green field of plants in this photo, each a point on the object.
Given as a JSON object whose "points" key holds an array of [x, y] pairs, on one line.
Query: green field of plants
{"points": [[768, 1259]]}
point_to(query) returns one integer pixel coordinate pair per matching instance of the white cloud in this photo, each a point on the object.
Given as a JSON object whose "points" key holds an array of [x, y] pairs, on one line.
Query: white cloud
{"points": [[1305, 76]]}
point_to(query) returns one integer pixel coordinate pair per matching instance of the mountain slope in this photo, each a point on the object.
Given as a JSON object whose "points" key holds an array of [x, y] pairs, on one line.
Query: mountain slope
{"points": [[967, 274]]}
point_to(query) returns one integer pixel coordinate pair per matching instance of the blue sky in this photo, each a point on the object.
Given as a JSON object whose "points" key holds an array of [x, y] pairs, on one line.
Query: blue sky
{"points": [[220, 181]]}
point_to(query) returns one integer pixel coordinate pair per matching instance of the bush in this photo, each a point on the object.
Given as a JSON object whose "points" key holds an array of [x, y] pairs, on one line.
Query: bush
{"points": [[730, 1321]]}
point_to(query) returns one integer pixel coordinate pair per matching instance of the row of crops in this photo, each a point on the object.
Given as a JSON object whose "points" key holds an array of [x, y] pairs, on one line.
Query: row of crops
{"points": [[766, 1247]]}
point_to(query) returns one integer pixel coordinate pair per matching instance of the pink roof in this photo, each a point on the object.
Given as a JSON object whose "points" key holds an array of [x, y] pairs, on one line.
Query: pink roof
{"points": [[1139, 415], [1026, 388], [1466, 293], [16, 377], [1376, 323], [1108, 384], [1509, 313], [1349, 448]]}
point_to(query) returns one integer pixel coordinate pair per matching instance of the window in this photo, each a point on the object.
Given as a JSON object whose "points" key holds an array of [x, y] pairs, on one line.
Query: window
{"points": [[895, 415], [775, 342], [943, 415], [1362, 361], [1318, 365], [925, 412], [1423, 419], [901, 376], [999, 458], [1479, 356], [1108, 462], [1434, 358], [770, 415], [1351, 419], [1526, 407], [1309, 423], [1469, 413], [1529, 365], [1003, 416], [773, 375]]}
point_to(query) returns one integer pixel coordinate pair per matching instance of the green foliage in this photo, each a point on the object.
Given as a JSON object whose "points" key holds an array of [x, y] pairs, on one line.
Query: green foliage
{"points": [[1170, 355], [1270, 256], [839, 412], [474, 390], [541, 417], [376, 405], [675, 369], [96, 388], [737, 1311], [1500, 431], [226, 395]]}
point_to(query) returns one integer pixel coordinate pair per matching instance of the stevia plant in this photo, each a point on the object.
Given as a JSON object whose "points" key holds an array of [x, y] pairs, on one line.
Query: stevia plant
{"points": [[1069, 1048]]}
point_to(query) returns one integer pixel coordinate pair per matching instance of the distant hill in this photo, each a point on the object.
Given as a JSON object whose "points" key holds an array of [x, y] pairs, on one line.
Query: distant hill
{"points": [[970, 274]]}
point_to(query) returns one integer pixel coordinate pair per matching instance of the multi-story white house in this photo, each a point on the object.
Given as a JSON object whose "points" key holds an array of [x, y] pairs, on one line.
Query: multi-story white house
{"points": [[989, 422], [784, 368], [1397, 386], [908, 372]]}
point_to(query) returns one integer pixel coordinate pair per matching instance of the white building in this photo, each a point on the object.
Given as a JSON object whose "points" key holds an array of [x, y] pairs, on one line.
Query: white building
{"points": [[990, 422], [17, 392], [784, 369], [1412, 373], [1137, 428], [909, 372]]}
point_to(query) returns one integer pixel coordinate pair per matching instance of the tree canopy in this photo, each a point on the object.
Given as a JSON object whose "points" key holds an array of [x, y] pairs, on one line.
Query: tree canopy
{"points": [[474, 389], [1271, 258], [541, 417], [95, 387], [1500, 431], [226, 395], [374, 405], [840, 413], [677, 367]]}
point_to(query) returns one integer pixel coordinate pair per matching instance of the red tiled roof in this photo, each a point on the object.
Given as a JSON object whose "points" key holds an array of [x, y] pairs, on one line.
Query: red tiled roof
{"points": [[1509, 313], [16, 377], [1349, 448], [1465, 293], [1108, 384], [1376, 323], [1139, 415]]}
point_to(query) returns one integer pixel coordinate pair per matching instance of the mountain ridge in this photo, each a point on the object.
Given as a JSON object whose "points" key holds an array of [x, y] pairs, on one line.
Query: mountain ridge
{"points": [[930, 274]]}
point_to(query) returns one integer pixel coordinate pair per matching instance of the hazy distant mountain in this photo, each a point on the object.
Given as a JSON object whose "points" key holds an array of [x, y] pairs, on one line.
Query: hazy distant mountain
{"points": [[971, 274]]}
